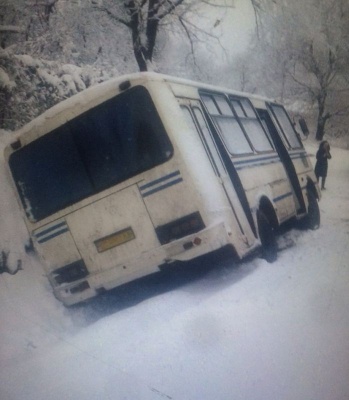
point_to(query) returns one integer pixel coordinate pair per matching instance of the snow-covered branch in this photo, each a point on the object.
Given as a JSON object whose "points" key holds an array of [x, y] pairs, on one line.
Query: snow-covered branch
{"points": [[112, 15], [10, 29]]}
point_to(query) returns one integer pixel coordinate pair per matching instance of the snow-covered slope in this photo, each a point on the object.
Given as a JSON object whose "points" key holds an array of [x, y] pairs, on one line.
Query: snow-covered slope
{"points": [[251, 331]]}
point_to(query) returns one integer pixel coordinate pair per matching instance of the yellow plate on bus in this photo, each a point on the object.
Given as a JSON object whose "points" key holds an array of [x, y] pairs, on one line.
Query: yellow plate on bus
{"points": [[115, 239]]}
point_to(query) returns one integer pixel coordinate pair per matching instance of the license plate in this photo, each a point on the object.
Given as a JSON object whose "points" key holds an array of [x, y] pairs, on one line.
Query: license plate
{"points": [[115, 239]]}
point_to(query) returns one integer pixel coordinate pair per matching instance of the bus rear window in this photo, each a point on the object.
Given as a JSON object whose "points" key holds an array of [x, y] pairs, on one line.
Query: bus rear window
{"points": [[106, 145]]}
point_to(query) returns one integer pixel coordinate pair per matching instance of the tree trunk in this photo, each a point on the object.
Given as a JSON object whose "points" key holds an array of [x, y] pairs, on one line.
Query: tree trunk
{"points": [[322, 117], [5, 97], [320, 129], [139, 55], [138, 49], [143, 51], [152, 28]]}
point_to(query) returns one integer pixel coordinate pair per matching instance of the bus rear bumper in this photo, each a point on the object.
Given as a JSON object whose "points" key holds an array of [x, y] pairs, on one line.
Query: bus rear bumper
{"points": [[184, 249]]}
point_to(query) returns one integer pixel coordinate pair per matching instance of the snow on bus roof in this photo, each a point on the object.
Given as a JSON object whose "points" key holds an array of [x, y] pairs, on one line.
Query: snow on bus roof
{"points": [[94, 95]]}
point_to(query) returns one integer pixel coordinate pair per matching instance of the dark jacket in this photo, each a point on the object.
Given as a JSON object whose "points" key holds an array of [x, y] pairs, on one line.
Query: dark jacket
{"points": [[321, 166]]}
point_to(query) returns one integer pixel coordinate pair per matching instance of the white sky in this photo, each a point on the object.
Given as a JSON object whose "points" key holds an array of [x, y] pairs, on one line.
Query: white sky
{"points": [[233, 25], [238, 24]]}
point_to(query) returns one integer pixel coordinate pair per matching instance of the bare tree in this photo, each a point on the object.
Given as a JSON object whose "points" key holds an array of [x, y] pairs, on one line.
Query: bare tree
{"points": [[326, 86], [144, 19], [24, 20], [309, 42]]}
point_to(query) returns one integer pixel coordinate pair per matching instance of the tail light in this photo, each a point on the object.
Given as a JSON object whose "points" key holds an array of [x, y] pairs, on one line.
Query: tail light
{"points": [[180, 228], [70, 273]]}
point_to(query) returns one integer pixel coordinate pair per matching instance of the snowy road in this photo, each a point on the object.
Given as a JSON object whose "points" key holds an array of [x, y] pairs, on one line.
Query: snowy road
{"points": [[253, 331]]}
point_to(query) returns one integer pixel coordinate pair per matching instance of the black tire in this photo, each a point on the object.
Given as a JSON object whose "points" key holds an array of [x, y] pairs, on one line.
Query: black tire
{"points": [[312, 220], [267, 237]]}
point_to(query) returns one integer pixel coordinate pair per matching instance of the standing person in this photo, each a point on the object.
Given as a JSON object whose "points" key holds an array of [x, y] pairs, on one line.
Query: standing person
{"points": [[322, 155]]}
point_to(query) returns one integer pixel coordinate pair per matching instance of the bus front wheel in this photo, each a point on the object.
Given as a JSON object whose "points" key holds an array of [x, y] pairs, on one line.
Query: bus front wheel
{"points": [[267, 237]]}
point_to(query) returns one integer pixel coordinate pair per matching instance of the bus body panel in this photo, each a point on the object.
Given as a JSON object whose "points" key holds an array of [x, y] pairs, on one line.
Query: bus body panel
{"points": [[278, 191], [50, 239], [199, 170], [118, 226]]}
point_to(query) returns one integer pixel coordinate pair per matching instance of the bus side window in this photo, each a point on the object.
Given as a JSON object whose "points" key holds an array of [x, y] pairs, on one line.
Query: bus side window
{"points": [[210, 105], [238, 109], [286, 126], [209, 140], [253, 128], [229, 127], [223, 105], [200, 126]]}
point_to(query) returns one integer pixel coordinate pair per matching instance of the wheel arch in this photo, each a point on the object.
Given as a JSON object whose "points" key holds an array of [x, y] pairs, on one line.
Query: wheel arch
{"points": [[266, 206], [311, 187]]}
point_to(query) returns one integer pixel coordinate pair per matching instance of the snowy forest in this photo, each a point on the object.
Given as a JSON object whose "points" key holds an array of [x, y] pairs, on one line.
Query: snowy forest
{"points": [[296, 52]]}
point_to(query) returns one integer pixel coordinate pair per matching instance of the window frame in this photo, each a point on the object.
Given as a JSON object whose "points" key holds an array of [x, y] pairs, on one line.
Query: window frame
{"points": [[229, 98], [280, 127], [241, 100], [39, 206], [212, 95]]}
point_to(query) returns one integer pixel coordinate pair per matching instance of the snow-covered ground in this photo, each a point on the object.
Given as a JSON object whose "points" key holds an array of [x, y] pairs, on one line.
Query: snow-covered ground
{"points": [[248, 331]]}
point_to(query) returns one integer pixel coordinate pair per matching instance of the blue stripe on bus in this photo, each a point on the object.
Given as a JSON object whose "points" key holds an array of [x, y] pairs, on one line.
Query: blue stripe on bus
{"points": [[57, 233], [156, 181], [283, 196], [255, 162], [298, 155], [276, 157], [50, 229], [162, 187], [262, 160]]}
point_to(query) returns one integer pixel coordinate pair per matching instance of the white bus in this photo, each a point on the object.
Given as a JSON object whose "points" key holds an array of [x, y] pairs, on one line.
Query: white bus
{"points": [[144, 170]]}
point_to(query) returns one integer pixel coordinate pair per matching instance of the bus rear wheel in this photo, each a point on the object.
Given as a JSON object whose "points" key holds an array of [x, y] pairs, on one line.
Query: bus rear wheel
{"points": [[267, 237]]}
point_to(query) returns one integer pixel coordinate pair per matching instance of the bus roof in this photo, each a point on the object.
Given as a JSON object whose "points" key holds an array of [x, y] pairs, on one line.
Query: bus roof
{"points": [[97, 94]]}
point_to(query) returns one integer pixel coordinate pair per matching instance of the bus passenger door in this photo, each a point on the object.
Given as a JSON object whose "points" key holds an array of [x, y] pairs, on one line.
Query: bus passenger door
{"points": [[195, 116], [285, 159]]}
